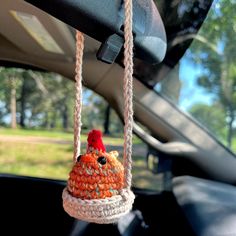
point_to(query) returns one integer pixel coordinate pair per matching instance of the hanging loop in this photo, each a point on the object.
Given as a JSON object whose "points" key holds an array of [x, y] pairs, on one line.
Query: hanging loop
{"points": [[107, 210]]}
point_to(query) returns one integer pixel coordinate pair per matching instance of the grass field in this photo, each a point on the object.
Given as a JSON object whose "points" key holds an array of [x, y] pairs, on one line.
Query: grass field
{"points": [[68, 136], [54, 160]]}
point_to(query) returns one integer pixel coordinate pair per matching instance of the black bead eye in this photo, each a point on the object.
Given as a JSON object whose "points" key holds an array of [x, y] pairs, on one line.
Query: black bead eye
{"points": [[78, 158], [102, 160]]}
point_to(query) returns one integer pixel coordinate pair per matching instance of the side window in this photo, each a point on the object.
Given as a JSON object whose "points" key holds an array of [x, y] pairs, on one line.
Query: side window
{"points": [[203, 83]]}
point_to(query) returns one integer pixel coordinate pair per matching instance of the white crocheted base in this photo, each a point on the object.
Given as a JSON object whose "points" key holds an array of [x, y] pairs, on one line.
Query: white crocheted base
{"points": [[101, 211]]}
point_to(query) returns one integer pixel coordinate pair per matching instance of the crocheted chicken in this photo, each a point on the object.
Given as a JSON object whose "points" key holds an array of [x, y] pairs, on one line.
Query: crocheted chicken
{"points": [[96, 174]]}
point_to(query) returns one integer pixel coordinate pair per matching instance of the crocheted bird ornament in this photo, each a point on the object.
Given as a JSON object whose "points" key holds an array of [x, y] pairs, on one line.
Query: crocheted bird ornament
{"points": [[96, 174]]}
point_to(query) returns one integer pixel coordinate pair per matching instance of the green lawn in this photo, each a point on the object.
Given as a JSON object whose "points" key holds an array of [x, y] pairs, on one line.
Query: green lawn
{"points": [[36, 159], [53, 160]]}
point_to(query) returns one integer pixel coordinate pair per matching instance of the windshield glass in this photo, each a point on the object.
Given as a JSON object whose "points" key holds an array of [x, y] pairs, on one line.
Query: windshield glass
{"points": [[203, 83]]}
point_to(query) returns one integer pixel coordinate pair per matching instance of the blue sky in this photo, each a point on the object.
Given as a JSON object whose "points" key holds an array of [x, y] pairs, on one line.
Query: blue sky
{"points": [[191, 93]]}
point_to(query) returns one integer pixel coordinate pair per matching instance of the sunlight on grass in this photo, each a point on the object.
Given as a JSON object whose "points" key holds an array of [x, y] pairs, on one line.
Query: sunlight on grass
{"points": [[68, 136], [54, 161], [41, 160]]}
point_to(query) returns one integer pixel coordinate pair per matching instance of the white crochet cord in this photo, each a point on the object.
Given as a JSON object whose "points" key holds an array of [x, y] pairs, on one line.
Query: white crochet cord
{"points": [[109, 210], [78, 93], [128, 92]]}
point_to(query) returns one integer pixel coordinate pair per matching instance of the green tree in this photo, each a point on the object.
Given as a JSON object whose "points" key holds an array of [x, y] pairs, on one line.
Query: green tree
{"points": [[39, 99], [215, 50], [10, 82], [47, 100], [28, 88], [212, 116], [52, 102], [95, 114], [93, 110]]}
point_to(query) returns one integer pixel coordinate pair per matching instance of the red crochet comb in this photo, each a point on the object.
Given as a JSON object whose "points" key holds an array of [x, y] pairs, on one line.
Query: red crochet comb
{"points": [[95, 141]]}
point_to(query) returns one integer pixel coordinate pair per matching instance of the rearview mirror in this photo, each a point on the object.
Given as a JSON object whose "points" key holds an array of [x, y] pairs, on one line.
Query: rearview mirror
{"points": [[103, 20]]}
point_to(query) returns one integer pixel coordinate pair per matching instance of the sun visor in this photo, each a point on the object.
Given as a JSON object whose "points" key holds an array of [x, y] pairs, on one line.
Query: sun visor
{"points": [[103, 20]]}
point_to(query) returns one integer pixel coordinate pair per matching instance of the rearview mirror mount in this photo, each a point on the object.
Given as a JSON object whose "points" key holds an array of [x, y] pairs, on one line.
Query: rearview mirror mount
{"points": [[103, 20]]}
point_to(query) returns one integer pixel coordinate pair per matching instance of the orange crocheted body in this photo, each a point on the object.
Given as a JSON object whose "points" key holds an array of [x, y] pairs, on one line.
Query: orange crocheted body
{"points": [[96, 175]]}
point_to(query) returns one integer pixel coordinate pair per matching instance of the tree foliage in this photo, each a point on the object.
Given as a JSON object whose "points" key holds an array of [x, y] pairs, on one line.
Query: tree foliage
{"points": [[46, 100], [212, 117], [217, 57]]}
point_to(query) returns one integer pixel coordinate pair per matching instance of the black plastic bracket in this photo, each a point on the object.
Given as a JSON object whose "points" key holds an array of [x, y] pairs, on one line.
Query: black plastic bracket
{"points": [[110, 49]]}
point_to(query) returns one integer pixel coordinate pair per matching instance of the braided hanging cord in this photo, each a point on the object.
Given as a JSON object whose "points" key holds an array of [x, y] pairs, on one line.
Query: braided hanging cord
{"points": [[78, 93], [108, 210], [128, 92]]}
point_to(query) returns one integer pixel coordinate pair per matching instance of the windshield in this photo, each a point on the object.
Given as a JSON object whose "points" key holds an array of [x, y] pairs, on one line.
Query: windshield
{"points": [[203, 83]]}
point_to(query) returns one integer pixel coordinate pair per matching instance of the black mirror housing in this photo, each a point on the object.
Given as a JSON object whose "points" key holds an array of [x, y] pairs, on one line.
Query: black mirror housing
{"points": [[103, 20]]}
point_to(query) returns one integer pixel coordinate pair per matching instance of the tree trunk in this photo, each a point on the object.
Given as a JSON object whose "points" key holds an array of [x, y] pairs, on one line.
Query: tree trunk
{"points": [[230, 129], [13, 104], [107, 120], [65, 119], [227, 96], [53, 120], [45, 122], [22, 103]]}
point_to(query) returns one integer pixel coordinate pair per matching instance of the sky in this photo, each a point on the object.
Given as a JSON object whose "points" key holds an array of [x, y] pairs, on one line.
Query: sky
{"points": [[191, 93]]}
